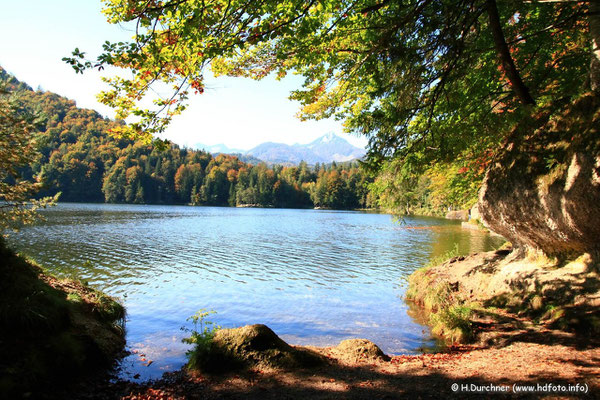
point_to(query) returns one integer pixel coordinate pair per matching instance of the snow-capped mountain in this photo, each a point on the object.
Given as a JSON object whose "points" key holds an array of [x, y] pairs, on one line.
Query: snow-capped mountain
{"points": [[216, 148], [334, 148], [325, 149]]}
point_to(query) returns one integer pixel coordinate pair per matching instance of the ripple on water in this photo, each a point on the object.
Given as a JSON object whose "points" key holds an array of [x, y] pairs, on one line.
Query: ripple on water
{"points": [[315, 277]]}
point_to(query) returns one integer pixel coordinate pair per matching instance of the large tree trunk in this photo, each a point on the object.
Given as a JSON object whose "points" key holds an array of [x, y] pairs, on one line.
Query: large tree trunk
{"points": [[594, 24], [506, 60]]}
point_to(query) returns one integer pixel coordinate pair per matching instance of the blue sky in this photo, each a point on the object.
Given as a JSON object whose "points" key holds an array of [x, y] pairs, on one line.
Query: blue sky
{"points": [[241, 113]]}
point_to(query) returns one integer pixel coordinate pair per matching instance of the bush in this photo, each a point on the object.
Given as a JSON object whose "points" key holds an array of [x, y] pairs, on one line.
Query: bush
{"points": [[201, 336]]}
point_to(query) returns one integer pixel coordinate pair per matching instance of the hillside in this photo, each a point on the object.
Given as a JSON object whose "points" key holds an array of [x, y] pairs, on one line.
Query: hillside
{"points": [[79, 158], [54, 331]]}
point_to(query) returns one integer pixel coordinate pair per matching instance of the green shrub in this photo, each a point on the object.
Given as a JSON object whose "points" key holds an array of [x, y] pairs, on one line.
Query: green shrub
{"points": [[201, 336]]}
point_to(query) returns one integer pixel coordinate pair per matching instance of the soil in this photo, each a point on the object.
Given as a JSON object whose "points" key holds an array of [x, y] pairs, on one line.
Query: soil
{"points": [[514, 290], [528, 356]]}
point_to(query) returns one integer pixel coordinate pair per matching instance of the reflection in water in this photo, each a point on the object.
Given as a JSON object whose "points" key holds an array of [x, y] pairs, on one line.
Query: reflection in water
{"points": [[315, 277]]}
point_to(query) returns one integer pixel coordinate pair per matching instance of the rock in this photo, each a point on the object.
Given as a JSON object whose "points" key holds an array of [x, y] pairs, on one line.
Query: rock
{"points": [[543, 190], [471, 226], [531, 287], [359, 350], [253, 346], [474, 213], [458, 214]]}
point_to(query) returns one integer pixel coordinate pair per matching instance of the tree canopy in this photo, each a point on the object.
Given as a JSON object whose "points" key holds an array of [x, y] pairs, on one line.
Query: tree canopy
{"points": [[438, 77], [69, 151], [17, 151]]}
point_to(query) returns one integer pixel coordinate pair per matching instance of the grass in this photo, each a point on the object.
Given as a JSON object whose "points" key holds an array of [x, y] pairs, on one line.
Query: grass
{"points": [[453, 323], [438, 298], [449, 317], [419, 288], [443, 257], [107, 308]]}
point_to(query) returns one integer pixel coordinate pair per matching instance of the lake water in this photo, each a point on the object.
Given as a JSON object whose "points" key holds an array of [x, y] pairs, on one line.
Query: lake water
{"points": [[314, 276]]}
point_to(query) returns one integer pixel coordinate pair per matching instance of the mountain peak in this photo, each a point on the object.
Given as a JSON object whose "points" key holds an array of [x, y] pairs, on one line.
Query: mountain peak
{"points": [[325, 149], [328, 137]]}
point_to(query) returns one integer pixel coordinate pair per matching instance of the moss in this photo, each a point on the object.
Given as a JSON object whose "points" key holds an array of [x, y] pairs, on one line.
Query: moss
{"points": [[53, 330], [355, 350], [250, 346]]}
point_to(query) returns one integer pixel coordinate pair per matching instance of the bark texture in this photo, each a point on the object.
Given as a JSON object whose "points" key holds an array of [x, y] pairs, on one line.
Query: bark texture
{"points": [[543, 191]]}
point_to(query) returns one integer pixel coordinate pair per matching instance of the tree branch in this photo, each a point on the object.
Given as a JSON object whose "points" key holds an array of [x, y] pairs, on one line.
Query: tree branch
{"points": [[506, 61]]}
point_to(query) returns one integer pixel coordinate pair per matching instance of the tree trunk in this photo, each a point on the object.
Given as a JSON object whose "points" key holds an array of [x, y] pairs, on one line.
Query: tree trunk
{"points": [[506, 60], [594, 24]]}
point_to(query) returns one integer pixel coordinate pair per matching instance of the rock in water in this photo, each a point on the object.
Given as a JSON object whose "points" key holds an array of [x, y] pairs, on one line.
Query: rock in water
{"points": [[543, 191], [462, 215]]}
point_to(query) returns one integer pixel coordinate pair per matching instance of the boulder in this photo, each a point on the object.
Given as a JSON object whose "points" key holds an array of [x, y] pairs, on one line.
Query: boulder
{"points": [[543, 190], [253, 346], [359, 350], [474, 213], [458, 214]]}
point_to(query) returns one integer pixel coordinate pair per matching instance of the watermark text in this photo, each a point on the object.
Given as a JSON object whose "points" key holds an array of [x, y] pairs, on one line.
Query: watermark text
{"points": [[520, 388]]}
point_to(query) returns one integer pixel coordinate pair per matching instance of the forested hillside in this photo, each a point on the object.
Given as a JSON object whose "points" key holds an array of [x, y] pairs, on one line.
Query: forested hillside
{"points": [[81, 160]]}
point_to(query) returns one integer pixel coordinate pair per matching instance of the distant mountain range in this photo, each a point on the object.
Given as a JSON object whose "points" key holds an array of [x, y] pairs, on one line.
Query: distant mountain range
{"points": [[218, 148], [325, 149]]}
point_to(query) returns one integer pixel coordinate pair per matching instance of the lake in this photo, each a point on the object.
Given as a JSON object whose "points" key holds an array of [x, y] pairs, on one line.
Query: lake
{"points": [[313, 276]]}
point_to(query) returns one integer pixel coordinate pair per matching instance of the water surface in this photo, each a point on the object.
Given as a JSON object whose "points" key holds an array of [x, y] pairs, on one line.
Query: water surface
{"points": [[314, 276]]}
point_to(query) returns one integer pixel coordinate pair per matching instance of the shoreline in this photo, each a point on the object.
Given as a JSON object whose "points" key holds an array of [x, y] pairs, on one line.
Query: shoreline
{"points": [[54, 330], [528, 361], [512, 352], [515, 351], [371, 209], [427, 375], [506, 288]]}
